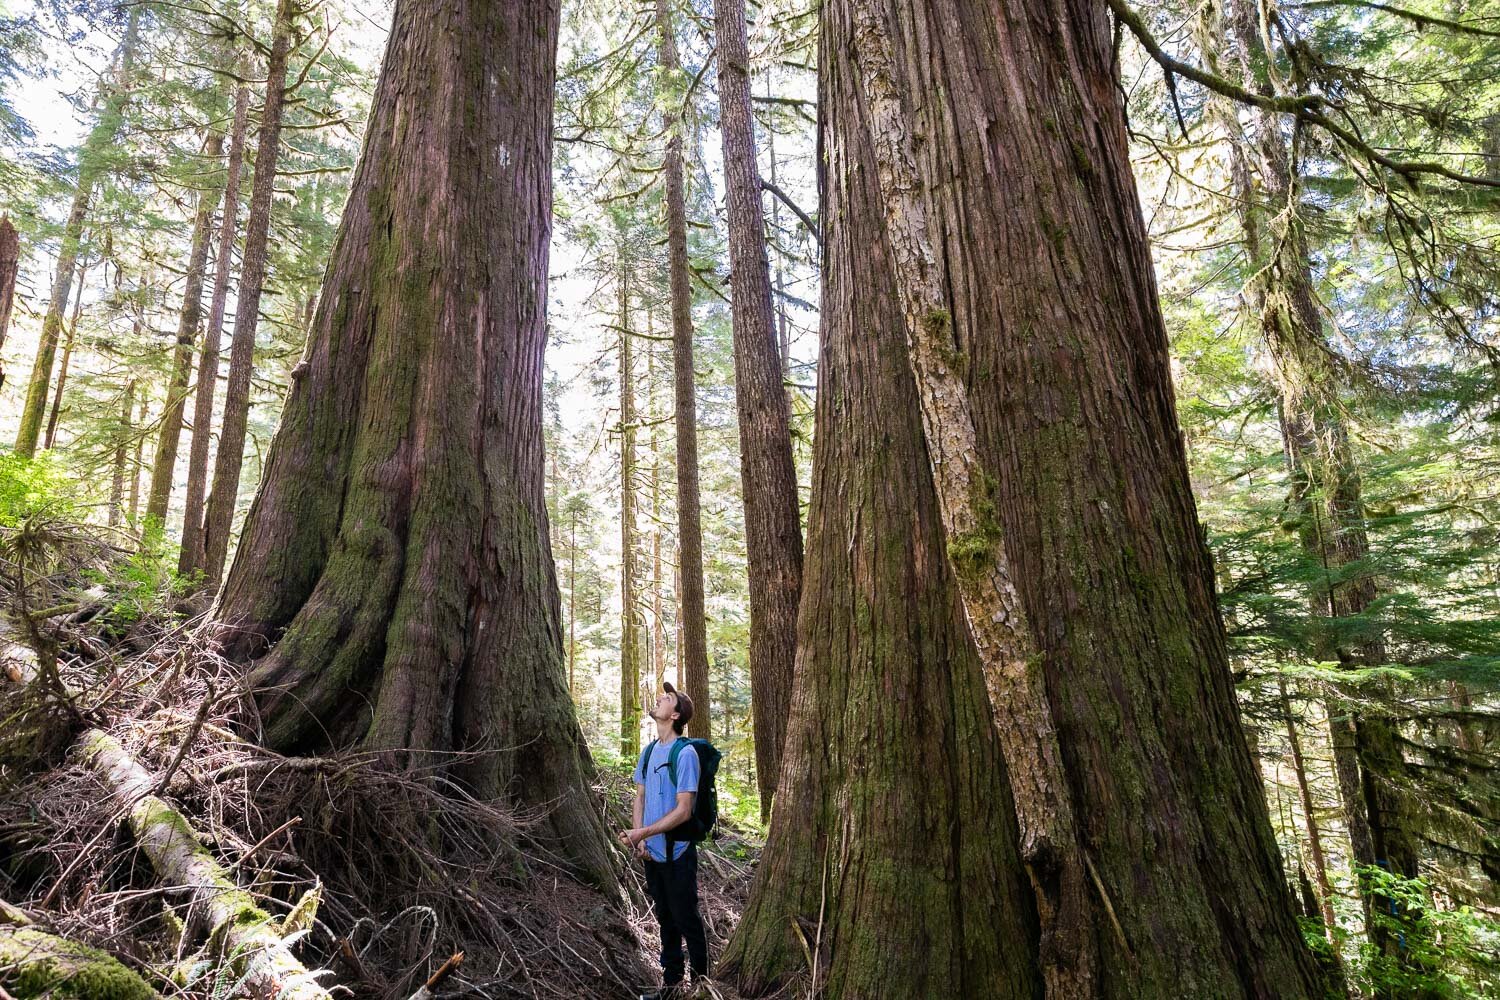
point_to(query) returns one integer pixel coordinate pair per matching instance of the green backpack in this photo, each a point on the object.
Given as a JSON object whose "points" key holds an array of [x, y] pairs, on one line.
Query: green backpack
{"points": [[706, 803]]}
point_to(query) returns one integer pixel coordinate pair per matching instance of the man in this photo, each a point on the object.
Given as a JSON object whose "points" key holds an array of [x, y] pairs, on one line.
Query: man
{"points": [[660, 807]]}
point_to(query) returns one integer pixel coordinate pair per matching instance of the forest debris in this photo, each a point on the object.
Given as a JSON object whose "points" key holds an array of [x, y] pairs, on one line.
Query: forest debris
{"points": [[34, 963], [253, 947], [444, 971]]}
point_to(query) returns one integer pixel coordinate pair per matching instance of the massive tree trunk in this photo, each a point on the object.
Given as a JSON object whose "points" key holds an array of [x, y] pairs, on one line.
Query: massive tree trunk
{"points": [[1326, 496], [164, 465], [630, 614], [192, 555], [10, 266], [91, 162], [1021, 173], [229, 460], [892, 848], [396, 558], [693, 640], [773, 527]]}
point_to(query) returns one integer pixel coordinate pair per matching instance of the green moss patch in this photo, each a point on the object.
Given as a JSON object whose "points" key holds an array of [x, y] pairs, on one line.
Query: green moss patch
{"points": [[36, 964]]}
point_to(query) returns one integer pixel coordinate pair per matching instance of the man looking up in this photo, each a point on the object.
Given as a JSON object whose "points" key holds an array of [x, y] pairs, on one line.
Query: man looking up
{"points": [[660, 807]]}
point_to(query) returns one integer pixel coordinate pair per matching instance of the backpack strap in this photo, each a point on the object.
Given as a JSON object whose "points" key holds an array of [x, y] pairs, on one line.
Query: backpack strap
{"points": [[645, 760], [672, 756]]}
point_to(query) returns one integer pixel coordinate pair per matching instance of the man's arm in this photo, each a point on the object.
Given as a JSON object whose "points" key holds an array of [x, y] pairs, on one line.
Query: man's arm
{"points": [[671, 821], [638, 810]]}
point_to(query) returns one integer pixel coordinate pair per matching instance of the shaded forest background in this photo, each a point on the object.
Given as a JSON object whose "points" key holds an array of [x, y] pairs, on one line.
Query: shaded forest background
{"points": [[1334, 346]]}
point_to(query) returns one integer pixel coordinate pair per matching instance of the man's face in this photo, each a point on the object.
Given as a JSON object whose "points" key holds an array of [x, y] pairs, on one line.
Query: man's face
{"points": [[666, 707]]}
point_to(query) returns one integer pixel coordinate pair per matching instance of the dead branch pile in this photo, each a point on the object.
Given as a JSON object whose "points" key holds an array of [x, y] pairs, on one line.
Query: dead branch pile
{"points": [[366, 878]]}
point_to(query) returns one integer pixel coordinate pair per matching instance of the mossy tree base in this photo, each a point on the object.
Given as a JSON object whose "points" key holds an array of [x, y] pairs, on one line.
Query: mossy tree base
{"points": [[394, 585]]}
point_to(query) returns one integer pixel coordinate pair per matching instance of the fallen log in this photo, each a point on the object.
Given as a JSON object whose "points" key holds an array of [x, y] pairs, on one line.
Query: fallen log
{"points": [[254, 945], [34, 964]]}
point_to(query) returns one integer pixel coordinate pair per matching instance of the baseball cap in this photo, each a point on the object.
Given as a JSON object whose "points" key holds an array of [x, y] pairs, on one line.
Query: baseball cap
{"points": [[684, 703]]}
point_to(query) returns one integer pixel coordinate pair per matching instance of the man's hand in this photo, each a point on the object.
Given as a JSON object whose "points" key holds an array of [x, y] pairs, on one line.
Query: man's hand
{"points": [[633, 838]]}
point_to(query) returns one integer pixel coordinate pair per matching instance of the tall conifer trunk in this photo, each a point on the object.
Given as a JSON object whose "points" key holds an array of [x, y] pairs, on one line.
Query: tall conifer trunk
{"points": [[164, 464], [218, 518], [1326, 494], [10, 266], [91, 161], [192, 555], [121, 460], [773, 526], [630, 615], [693, 639], [136, 466], [892, 847], [55, 413], [1310, 822], [396, 559], [1021, 173]]}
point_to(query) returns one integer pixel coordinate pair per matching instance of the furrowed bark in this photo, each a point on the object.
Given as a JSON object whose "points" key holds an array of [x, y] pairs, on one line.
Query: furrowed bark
{"points": [[891, 858], [394, 585], [255, 949], [90, 169], [218, 519], [1009, 656], [192, 555], [164, 464], [1021, 157], [693, 640], [773, 527]]}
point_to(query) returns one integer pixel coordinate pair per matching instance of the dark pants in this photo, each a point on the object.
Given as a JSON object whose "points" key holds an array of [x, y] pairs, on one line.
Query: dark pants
{"points": [[673, 887]]}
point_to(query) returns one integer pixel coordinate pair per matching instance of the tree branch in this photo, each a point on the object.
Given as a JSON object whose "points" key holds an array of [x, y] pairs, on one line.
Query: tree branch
{"points": [[1306, 108], [812, 227]]}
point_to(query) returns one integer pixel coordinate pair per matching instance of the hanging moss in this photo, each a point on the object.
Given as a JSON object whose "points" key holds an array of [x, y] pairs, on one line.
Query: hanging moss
{"points": [[35, 964]]}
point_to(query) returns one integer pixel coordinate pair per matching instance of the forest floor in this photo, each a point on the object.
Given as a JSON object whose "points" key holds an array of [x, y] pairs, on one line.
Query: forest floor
{"points": [[374, 876]]}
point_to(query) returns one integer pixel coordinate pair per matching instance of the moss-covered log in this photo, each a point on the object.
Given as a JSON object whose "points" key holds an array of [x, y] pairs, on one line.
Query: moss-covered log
{"points": [[35, 964], [253, 941]]}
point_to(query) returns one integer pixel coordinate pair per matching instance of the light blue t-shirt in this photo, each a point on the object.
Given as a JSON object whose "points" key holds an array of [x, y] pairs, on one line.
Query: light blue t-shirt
{"points": [[661, 796]]}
